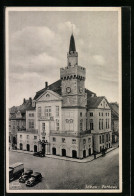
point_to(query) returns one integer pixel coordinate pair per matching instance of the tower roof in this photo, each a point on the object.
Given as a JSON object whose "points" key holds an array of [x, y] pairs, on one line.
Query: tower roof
{"points": [[72, 44]]}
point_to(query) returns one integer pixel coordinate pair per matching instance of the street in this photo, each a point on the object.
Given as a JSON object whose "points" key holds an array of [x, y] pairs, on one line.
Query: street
{"points": [[61, 174]]}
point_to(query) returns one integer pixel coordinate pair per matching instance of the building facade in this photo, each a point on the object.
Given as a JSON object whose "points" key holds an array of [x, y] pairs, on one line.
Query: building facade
{"points": [[67, 119]]}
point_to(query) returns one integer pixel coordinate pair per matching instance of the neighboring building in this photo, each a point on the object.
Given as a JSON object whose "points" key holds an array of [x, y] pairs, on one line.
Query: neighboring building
{"points": [[17, 120], [115, 121], [68, 119]]}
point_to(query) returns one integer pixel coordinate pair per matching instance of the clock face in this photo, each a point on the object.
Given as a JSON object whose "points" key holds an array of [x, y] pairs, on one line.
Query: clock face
{"points": [[81, 90], [68, 89]]}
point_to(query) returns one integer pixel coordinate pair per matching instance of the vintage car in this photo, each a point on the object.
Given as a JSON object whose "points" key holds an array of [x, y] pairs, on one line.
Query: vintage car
{"points": [[35, 178], [39, 154], [25, 176]]}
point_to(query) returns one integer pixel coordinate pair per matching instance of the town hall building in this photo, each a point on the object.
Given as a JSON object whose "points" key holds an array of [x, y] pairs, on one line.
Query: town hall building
{"points": [[66, 119]]}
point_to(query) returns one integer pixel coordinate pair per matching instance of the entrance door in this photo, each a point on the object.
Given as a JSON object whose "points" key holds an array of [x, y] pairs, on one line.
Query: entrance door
{"points": [[28, 147], [63, 152], [89, 151], [35, 148], [74, 153], [21, 146], [84, 153], [54, 151]]}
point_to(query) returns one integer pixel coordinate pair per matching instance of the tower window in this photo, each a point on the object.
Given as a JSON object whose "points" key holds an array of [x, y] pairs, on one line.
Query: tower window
{"points": [[91, 113], [80, 114]]}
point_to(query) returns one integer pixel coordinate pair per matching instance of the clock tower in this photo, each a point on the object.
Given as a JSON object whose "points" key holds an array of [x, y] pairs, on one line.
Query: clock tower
{"points": [[73, 80]]}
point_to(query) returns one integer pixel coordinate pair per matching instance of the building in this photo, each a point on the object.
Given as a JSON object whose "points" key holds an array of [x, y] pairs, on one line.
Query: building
{"points": [[115, 121], [68, 119], [17, 120]]}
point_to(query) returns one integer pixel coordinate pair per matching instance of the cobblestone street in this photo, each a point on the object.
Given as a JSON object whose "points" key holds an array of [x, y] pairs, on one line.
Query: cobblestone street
{"points": [[61, 174]]}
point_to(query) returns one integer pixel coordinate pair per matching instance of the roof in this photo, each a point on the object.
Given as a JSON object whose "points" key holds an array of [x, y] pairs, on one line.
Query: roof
{"points": [[93, 102], [72, 44], [27, 105], [114, 110], [56, 87]]}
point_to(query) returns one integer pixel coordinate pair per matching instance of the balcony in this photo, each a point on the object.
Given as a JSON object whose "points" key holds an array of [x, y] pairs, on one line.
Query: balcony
{"points": [[69, 133], [43, 134], [44, 118], [33, 131]]}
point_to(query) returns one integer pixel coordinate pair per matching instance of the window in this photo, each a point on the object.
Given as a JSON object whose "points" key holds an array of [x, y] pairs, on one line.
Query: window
{"points": [[109, 136], [27, 136], [102, 123], [43, 127], [57, 110], [47, 95], [106, 123], [84, 141], [99, 124], [80, 114], [102, 138], [89, 140], [31, 123], [63, 140], [57, 125], [47, 111], [91, 124], [106, 137], [81, 124], [99, 113], [35, 137], [73, 141], [21, 136], [39, 112], [91, 113], [106, 114], [31, 114], [102, 114], [54, 139]]}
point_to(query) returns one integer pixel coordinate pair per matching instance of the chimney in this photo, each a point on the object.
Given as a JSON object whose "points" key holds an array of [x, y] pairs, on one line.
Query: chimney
{"points": [[30, 99], [46, 84], [24, 100]]}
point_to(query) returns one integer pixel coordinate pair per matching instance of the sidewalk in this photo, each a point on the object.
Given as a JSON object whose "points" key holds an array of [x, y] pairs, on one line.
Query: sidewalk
{"points": [[85, 160]]}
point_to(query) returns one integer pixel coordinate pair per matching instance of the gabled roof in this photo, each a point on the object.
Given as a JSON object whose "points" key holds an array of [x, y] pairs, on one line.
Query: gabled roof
{"points": [[27, 105], [56, 87], [93, 102]]}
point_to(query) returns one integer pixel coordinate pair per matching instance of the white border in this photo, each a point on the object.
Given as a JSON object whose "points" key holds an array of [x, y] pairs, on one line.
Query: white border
{"points": [[118, 9]]}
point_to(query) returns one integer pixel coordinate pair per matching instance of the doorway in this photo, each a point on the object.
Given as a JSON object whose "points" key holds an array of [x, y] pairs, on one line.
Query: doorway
{"points": [[89, 151], [84, 153], [63, 152], [74, 153], [35, 148], [28, 147], [21, 146], [54, 151]]}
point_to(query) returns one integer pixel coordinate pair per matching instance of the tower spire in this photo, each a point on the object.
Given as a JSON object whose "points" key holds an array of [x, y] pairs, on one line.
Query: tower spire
{"points": [[72, 44]]}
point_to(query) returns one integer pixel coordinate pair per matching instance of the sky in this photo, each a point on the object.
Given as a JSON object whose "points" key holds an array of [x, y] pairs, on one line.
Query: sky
{"points": [[38, 46]]}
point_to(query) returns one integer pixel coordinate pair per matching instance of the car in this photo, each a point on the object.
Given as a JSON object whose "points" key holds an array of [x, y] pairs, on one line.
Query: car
{"points": [[36, 177], [39, 154], [25, 176]]}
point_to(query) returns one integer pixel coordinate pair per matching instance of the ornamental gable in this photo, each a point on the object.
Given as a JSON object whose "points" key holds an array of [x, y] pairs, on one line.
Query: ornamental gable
{"points": [[104, 104], [49, 96]]}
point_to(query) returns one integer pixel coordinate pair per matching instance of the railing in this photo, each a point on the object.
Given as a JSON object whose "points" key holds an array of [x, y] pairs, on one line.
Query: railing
{"points": [[34, 131], [70, 133], [46, 118]]}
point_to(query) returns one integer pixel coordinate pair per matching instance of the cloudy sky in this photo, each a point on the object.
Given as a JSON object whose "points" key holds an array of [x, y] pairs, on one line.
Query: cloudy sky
{"points": [[38, 46]]}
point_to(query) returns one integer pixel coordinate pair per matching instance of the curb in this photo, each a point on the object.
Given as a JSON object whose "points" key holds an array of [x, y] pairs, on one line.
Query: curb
{"points": [[75, 160]]}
